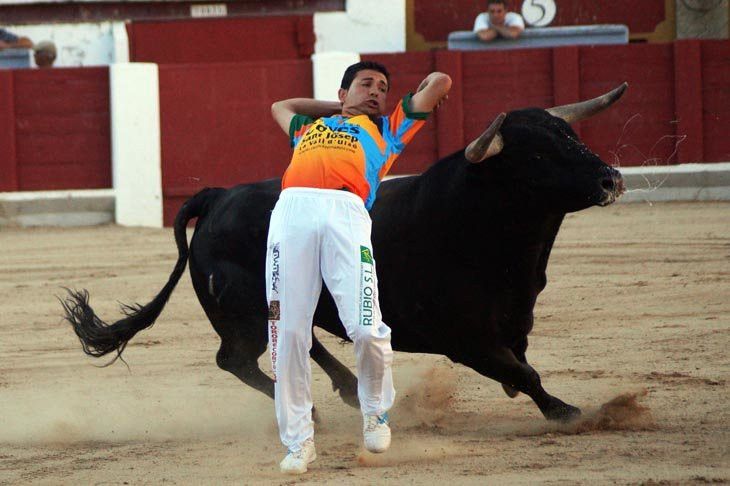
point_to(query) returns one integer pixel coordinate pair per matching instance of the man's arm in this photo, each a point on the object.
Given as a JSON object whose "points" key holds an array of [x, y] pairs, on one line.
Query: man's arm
{"points": [[487, 34], [283, 111], [431, 92], [508, 32], [21, 43]]}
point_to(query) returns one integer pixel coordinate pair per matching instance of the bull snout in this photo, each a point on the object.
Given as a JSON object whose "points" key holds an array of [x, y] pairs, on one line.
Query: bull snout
{"points": [[613, 186]]}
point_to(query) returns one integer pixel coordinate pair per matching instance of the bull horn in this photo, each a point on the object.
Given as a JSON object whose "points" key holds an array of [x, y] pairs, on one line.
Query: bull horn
{"points": [[585, 109], [488, 144]]}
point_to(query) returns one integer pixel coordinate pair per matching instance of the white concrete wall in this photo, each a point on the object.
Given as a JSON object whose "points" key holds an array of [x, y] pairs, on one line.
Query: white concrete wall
{"points": [[366, 26], [135, 133], [81, 44], [327, 70]]}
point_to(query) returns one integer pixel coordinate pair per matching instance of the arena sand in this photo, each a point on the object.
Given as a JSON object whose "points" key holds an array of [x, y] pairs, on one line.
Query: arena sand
{"points": [[633, 328]]}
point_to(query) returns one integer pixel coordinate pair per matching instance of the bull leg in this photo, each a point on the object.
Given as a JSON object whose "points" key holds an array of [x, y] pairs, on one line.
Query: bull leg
{"points": [[519, 352], [502, 365], [240, 357], [342, 378]]}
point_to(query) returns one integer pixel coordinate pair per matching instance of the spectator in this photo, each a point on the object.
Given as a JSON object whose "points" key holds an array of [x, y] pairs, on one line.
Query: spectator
{"points": [[44, 54], [8, 40], [498, 22]]}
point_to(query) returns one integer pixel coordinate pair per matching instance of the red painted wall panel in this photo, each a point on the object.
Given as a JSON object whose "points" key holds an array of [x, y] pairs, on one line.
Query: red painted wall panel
{"points": [[222, 40], [716, 100], [502, 81], [8, 162], [62, 138], [216, 124], [640, 129]]}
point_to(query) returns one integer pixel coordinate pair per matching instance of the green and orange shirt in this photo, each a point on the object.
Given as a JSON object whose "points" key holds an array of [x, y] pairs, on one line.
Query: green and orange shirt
{"points": [[352, 153]]}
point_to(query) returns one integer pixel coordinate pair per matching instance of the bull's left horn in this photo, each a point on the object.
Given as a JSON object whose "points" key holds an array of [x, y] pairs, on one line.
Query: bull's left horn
{"points": [[488, 144], [586, 109]]}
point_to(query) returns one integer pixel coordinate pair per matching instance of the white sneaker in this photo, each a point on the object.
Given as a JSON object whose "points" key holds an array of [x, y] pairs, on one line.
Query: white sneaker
{"points": [[376, 432], [296, 462]]}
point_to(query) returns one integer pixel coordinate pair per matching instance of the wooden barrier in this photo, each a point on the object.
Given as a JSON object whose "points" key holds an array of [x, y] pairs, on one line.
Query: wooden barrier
{"points": [[54, 129], [216, 127]]}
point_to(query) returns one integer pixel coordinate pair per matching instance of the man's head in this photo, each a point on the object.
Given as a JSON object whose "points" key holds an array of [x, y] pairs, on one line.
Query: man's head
{"points": [[44, 53], [497, 10], [364, 89]]}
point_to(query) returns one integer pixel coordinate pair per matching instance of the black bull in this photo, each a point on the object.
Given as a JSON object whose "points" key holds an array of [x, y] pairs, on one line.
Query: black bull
{"points": [[461, 253]]}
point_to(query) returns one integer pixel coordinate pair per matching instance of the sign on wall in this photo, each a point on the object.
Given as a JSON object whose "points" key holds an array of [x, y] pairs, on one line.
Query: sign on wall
{"points": [[539, 13]]}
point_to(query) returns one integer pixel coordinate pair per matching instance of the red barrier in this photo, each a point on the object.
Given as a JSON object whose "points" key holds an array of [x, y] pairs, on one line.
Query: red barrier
{"points": [[54, 129], [715, 106], [222, 40], [216, 125], [217, 129]]}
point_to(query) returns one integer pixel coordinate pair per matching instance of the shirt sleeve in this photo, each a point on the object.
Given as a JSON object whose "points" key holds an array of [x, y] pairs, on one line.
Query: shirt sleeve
{"points": [[514, 20], [403, 124], [481, 22], [7, 36], [297, 127]]}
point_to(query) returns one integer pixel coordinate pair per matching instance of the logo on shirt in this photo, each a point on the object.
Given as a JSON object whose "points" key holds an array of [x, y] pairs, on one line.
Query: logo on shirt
{"points": [[345, 137]]}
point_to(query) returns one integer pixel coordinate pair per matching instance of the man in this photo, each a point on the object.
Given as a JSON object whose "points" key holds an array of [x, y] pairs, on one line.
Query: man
{"points": [[320, 229], [8, 40], [497, 22], [44, 53]]}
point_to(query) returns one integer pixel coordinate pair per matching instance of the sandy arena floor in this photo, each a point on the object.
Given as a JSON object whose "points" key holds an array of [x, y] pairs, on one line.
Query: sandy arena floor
{"points": [[636, 315]]}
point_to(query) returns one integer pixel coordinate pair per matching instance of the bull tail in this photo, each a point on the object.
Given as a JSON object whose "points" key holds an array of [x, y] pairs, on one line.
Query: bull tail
{"points": [[99, 338]]}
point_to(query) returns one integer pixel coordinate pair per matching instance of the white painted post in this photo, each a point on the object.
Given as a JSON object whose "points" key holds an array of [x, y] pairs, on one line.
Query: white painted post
{"points": [[327, 70], [366, 26], [135, 131]]}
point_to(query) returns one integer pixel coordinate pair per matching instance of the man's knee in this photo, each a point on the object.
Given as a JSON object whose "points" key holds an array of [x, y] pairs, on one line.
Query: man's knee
{"points": [[370, 335]]}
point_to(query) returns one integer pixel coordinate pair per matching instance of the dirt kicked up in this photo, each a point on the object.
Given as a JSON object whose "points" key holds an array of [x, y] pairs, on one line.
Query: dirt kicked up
{"points": [[633, 327]]}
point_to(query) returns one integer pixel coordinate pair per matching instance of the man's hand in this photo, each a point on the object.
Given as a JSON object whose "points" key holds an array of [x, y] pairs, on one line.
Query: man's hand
{"points": [[507, 32], [487, 35]]}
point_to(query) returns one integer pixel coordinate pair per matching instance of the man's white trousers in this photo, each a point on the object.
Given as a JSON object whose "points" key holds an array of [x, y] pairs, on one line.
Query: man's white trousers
{"points": [[318, 234]]}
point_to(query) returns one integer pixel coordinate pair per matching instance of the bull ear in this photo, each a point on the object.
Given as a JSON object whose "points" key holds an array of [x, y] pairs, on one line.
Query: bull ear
{"points": [[488, 144], [585, 109]]}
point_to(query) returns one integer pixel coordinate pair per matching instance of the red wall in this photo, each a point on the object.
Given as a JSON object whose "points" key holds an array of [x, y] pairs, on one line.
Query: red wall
{"points": [[217, 129], [670, 114], [216, 124], [221, 40], [54, 129]]}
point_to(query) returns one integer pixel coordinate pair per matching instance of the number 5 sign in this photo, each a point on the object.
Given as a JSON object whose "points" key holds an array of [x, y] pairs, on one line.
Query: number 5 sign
{"points": [[539, 12]]}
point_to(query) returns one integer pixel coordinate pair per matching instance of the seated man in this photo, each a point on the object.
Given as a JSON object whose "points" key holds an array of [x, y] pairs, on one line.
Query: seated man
{"points": [[497, 22]]}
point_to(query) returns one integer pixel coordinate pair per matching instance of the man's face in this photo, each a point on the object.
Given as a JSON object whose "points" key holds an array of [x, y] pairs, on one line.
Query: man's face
{"points": [[497, 13], [366, 95], [43, 58]]}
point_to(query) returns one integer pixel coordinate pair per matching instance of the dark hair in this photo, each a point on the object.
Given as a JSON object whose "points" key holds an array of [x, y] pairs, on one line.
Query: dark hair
{"points": [[502, 2], [352, 71]]}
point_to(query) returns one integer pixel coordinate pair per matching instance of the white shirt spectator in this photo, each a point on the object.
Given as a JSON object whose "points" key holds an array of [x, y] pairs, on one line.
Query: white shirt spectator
{"points": [[511, 19]]}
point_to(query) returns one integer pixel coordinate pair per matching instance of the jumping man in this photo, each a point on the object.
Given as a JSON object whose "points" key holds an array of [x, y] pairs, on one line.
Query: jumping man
{"points": [[320, 229]]}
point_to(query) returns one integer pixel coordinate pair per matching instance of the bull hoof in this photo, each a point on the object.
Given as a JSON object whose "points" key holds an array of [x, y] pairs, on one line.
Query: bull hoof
{"points": [[562, 412], [511, 392]]}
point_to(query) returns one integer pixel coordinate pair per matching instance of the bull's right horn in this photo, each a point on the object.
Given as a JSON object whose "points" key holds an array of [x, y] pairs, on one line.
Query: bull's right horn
{"points": [[488, 144]]}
